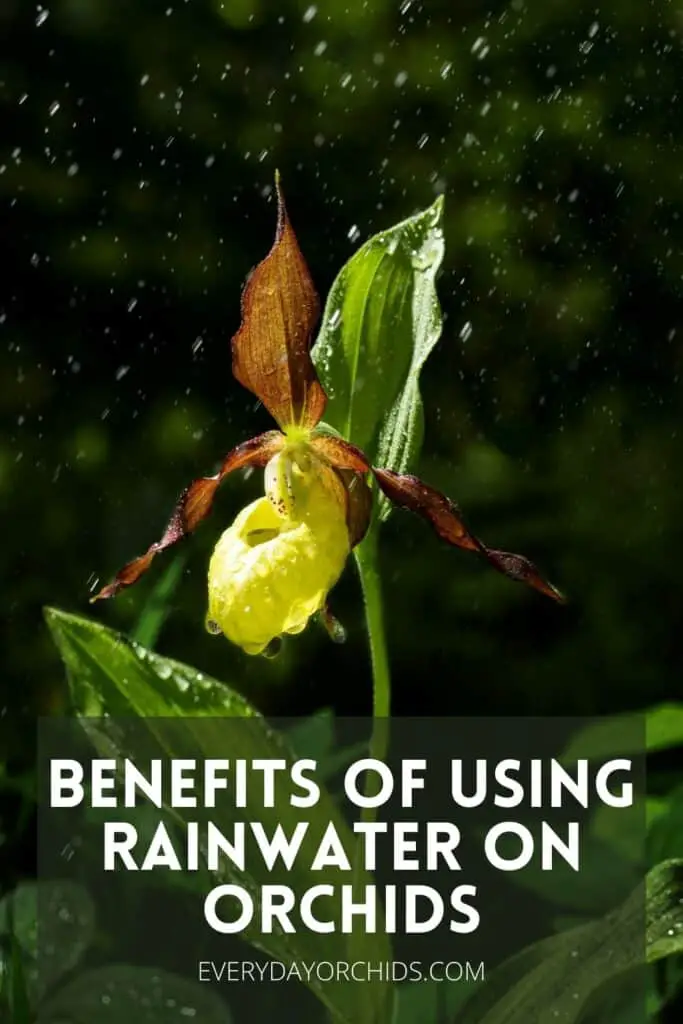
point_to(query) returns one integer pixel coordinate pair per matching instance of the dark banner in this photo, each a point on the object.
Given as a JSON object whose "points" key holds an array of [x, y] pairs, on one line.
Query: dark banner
{"points": [[481, 857]]}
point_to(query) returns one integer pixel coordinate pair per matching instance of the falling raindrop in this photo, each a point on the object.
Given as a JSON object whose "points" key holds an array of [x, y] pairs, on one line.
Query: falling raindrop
{"points": [[480, 47], [334, 319]]}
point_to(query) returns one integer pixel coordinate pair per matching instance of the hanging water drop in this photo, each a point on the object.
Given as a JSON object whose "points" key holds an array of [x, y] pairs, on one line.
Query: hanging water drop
{"points": [[273, 649]]}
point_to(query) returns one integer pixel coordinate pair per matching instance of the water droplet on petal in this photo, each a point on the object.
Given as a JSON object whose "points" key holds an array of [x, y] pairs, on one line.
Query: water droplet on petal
{"points": [[273, 649]]}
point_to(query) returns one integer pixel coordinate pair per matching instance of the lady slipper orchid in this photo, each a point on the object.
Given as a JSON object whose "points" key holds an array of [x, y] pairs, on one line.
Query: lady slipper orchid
{"points": [[274, 567]]}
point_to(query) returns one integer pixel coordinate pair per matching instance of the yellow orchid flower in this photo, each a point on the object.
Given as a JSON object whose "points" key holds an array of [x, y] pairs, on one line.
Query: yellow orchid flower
{"points": [[274, 567]]}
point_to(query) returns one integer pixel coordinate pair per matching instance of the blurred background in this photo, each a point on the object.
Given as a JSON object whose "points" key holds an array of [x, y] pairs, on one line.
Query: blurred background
{"points": [[136, 187]]}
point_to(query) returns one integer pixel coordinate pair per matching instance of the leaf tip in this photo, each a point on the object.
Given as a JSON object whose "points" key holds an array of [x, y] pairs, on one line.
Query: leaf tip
{"points": [[55, 622], [50, 614]]}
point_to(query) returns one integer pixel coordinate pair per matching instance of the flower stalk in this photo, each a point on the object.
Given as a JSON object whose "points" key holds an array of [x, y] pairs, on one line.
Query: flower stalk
{"points": [[367, 560]]}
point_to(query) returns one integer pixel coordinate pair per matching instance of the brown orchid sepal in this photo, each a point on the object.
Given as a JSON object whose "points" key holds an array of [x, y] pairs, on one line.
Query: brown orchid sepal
{"points": [[273, 568], [193, 506], [409, 492], [271, 350]]}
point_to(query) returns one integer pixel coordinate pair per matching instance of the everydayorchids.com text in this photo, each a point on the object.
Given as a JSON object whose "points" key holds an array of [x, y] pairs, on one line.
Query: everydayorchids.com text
{"points": [[237, 971]]}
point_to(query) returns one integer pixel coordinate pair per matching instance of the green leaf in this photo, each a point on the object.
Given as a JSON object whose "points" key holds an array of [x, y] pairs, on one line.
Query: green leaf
{"points": [[552, 981], [53, 924], [664, 910], [22, 986], [655, 808], [664, 727], [604, 877], [121, 994], [154, 707], [16, 989], [157, 606], [111, 674], [623, 830], [431, 1002], [665, 834], [658, 728], [314, 737], [381, 321], [632, 999]]}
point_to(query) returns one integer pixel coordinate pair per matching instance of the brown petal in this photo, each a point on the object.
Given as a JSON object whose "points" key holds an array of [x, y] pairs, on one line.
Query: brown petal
{"points": [[444, 515], [351, 466], [194, 505], [342, 454], [358, 504], [271, 351]]}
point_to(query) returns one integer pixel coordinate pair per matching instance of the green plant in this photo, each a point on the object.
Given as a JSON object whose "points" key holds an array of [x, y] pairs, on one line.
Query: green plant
{"points": [[387, 291]]}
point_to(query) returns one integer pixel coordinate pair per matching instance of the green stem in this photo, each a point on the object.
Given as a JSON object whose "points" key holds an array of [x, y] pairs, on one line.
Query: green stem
{"points": [[368, 568]]}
